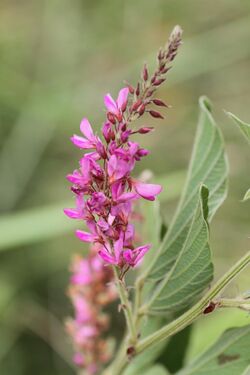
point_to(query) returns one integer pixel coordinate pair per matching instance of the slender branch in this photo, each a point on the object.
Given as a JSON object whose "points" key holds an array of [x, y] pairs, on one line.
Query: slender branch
{"points": [[127, 308], [239, 302], [197, 310], [188, 317]]}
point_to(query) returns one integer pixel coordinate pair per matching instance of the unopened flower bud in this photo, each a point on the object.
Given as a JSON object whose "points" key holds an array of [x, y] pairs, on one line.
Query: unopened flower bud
{"points": [[138, 89], [158, 82], [141, 110], [155, 114], [145, 73], [108, 132], [150, 93], [101, 150], [125, 135], [136, 105], [145, 130], [159, 103], [111, 118], [131, 89]]}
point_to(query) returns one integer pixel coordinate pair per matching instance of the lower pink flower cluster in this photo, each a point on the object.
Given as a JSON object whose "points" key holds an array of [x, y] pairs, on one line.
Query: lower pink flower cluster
{"points": [[90, 290]]}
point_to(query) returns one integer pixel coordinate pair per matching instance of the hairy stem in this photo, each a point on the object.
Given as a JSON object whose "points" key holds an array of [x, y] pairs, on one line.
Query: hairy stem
{"points": [[188, 317], [127, 308], [239, 302], [197, 310]]}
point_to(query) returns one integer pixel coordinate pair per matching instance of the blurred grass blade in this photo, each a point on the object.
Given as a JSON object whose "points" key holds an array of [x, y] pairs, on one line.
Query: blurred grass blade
{"points": [[193, 269], [244, 127], [156, 370], [230, 355], [246, 196], [208, 166], [39, 224], [34, 225]]}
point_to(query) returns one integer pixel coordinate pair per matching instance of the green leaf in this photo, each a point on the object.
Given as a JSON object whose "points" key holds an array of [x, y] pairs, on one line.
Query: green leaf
{"points": [[230, 355], [156, 370], [246, 196], [244, 127], [192, 270], [208, 166]]}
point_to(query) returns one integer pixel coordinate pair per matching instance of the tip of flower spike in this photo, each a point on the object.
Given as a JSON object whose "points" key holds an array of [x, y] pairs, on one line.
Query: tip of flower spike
{"points": [[177, 31]]}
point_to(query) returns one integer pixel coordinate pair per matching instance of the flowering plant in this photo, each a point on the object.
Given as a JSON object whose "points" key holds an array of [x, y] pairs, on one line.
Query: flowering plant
{"points": [[170, 280]]}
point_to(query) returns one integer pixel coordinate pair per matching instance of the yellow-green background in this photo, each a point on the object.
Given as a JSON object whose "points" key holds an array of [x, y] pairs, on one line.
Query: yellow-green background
{"points": [[57, 60]]}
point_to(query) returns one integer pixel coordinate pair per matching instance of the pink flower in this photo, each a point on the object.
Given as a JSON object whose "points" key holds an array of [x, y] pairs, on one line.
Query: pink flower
{"points": [[117, 168], [78, 359], [112, 256], [147, 191], [78, 212], [116, 107], [133, 257], [90, 140], [86, 236]]}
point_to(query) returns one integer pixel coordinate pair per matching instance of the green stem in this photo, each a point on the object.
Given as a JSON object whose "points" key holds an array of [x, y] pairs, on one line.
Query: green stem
{"points": [[119, 362], [127, 308], [197, 310], [239, 303], [185, 319]]}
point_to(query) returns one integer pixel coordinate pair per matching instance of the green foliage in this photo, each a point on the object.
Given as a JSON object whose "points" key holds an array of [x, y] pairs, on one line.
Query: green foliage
{"points": [[183, 268], [244, 127], [230, 355], [208, 166], [157, 370], [192, 270]]}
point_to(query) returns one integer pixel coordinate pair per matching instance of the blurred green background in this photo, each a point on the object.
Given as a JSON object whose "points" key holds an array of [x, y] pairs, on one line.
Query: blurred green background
{"points": [[57, 60]]}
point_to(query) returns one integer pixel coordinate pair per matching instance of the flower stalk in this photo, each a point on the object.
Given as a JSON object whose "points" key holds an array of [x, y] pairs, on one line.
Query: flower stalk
{"points": [[190, 316]]}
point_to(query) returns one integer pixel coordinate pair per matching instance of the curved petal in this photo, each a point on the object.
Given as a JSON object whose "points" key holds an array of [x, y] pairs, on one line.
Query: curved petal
{"points": [[81, 142], [110, 104], [122, 98], [107, 257], [86, 129], [85, 236], [147, 191], [72, 213]]}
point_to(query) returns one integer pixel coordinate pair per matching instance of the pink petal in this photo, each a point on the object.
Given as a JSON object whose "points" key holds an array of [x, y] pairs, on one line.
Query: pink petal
{"points": [[110, 104], [128, 256], [147, 191], [118, 247], [81, 142], [122, 98], [72, 213], [112, 165], [85, 236], [86, 129], [141, 251], [126, 197], [107, 257], [78, 359]]}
